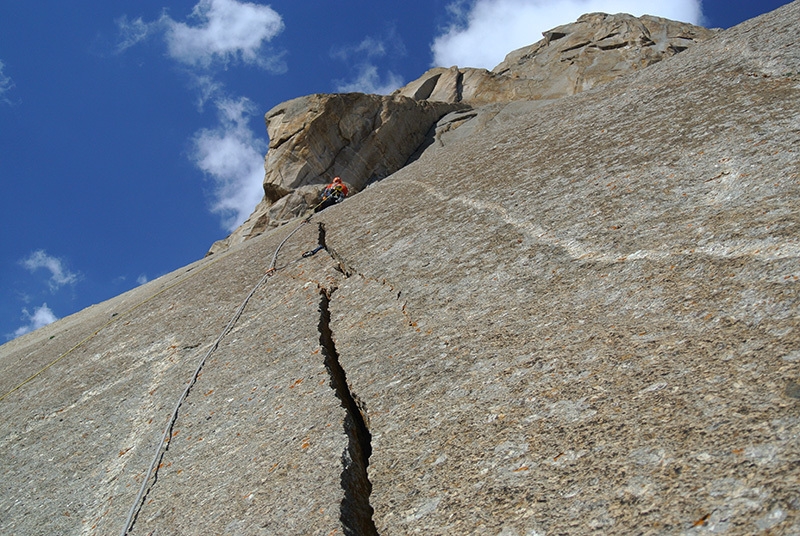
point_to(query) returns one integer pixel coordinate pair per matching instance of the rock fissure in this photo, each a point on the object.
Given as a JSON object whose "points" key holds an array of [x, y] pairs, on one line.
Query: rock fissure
{"points": [[613, 46], [355, 510], [343, 265], [576, 47], [348, 271], [287, 137]]}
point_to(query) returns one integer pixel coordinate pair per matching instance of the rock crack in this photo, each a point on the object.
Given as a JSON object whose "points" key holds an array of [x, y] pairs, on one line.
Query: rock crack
{"points": [[355, 511]]}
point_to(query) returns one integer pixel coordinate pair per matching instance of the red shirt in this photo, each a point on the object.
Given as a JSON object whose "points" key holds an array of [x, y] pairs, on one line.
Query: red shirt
{"points": [[338, 186]]}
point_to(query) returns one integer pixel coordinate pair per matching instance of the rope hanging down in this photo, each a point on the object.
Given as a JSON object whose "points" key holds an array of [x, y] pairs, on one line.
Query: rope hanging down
{"points": [[160, 450], [116, 318]]}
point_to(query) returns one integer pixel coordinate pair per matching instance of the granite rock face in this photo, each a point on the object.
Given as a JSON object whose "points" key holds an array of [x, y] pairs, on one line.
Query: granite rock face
{"points": [[360, 138], [583, 320], [571, 58], [365, 138], [597, 49]]}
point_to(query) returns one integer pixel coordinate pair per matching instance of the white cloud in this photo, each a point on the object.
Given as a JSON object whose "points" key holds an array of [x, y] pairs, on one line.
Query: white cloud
{"points": [[59, 274], [6, 84], [234, 158], [486, 30], [364, 58], [207, 89], [41, 317], [142, 279], [223, 31], [227, 30], [132, 32]]}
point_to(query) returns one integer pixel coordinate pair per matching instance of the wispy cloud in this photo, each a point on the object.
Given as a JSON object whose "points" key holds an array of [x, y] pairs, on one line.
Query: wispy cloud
{"points": [[368, 80], [59, 274], [220, 32], [233, 157], [6, 84], [133, 32], [482, 32], [142, 279], [207, 88], [40, 317], [369, 47], [364, 58]]}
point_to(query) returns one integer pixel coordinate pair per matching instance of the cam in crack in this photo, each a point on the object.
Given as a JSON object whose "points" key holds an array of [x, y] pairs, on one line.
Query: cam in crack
{"points": [[343, 266]]}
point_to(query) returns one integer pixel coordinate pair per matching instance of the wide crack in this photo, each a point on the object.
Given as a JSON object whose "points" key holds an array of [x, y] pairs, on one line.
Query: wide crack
{"points": [[355, 510]]}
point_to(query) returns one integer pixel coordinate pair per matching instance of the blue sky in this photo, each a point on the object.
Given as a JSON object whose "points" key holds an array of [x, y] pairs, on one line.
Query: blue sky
{"points": [[132, 133]]}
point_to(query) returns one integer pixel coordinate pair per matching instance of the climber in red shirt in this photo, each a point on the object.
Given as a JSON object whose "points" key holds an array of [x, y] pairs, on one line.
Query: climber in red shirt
{"points": [[334, 193]]}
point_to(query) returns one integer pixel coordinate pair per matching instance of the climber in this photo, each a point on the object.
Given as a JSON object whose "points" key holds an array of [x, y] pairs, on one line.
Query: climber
{"points": [[334, 193]]}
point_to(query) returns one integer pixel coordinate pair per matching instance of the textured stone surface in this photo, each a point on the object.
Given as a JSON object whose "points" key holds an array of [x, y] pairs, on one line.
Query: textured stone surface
{"points": [[594, 50], [621, 341], [583, 320], [597, 49], [475, 87], [360, 138], [365, 138], [262, 420]]}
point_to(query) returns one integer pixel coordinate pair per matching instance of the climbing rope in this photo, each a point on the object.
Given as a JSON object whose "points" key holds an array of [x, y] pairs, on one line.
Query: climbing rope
{"points": [[160, 449], [275, 256], [124, 313], [133, 308]]}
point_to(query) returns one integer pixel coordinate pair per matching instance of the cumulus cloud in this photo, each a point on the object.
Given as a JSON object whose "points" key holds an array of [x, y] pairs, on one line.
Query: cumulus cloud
{"points": [[220, 32], [40, 317], [226, 30], [59, 274], [364, 58], [6, 83], [482, 32], [233, 158]]}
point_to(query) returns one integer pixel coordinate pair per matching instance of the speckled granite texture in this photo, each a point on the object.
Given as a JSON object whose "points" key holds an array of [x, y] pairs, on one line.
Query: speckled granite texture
{"points": [[583, 320]]}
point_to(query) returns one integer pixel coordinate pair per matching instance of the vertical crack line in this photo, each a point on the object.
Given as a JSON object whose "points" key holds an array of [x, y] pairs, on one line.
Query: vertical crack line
{"points": [[343, 267], [355, 510]]}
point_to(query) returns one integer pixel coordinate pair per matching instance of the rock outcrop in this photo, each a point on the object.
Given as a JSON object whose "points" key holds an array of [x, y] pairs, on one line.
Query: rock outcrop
{"points": [[572, 58], [597, 49], [364, 138], [583, 320], [361, 138]]}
